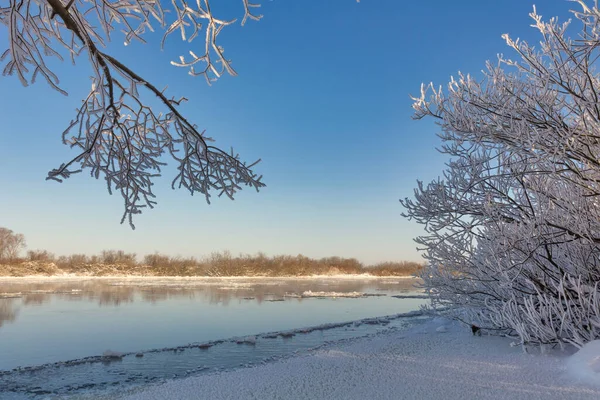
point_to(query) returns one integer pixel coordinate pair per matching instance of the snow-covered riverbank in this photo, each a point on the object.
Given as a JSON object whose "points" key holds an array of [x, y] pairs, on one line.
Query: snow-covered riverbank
{"points": [[155, 280], [437, 360]]}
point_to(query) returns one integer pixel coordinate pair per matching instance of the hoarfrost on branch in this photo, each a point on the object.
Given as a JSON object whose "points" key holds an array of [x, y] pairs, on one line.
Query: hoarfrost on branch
{"points": [[513, 226], [117, 135]]}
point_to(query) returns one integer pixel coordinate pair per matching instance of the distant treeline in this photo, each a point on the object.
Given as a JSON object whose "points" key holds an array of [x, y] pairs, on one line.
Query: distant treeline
{"points": [[116, 262]]}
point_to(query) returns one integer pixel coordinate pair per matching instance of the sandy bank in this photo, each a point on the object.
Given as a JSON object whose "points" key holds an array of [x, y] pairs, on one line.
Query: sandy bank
{"points": [[437, 360]]}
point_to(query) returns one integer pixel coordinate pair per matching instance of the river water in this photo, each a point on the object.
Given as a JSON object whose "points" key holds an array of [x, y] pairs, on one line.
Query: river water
{"points": [[55, 331]]}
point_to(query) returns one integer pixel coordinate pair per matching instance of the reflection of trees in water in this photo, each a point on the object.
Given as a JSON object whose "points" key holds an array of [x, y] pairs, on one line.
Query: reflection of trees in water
{"points": [[261, 292], [8, 311], [117, 293], [32, 299], [157, 293], [112, 297]]}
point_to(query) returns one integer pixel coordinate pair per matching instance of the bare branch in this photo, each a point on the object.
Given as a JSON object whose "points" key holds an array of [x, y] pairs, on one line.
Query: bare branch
{"points": [[116, 134]]}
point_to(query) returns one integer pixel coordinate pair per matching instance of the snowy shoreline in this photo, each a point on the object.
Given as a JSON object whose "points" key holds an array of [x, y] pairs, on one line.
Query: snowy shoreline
{"points": [[438, 359], [208, 279], [110, 355]]}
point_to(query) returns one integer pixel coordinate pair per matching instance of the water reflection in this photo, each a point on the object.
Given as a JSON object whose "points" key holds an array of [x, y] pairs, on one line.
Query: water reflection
{"points": [[8, 311], [116, 292], [55, 320]]}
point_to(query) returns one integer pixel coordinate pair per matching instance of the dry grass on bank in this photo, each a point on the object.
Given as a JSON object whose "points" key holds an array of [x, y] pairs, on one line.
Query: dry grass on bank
{"points": [[112, 262]]}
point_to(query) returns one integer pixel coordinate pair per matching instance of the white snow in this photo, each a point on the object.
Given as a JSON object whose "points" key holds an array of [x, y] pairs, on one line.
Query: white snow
{"points": [[246, 340], [113, 354], [417, 363], [310, 293], [585, 364], [127, 279]]}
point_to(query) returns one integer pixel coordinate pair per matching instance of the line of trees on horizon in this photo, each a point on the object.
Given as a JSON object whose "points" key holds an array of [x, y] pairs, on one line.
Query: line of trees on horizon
{"points": [[217, 264]]}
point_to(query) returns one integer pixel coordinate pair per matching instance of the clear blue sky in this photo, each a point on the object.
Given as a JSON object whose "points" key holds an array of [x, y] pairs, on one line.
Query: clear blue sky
{"points": [[322, 97]]}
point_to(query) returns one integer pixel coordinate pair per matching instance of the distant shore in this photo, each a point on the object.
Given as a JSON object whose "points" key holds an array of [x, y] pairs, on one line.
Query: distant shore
{"points": [[119, 263], [74, 277]]}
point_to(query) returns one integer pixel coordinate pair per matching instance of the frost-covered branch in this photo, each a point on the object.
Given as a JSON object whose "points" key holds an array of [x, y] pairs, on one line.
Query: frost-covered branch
{"points": [[513, 228], [117, 134]]}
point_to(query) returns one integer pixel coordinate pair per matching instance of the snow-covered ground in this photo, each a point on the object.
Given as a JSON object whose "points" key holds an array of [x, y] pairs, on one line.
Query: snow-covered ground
{"points": [[208, 279], [437, 360], [310, 293]]}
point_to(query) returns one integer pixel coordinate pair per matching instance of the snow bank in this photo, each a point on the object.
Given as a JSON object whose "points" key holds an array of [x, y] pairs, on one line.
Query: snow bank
{"points": [[128, 279], [410, 296], [585, 364], [114, 355], [247, 340], [425, 362], [310, 293], [14, 295]]}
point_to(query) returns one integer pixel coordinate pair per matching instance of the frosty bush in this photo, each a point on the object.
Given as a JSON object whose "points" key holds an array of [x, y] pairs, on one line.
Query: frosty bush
{"points": [[117, 257], [513, 227], [117, 134], [40, 255], [10, 244]]}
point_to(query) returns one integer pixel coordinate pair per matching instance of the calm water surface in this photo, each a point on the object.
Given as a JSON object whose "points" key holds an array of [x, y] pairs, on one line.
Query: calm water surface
{"points": [[50, 321]]}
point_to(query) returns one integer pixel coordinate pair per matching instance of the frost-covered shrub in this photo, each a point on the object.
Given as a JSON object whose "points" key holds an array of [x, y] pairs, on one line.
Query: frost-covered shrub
{"points": [[10, 244], [40, 255], [72, 262], [513, 227], [117, 257], [403, 268]]}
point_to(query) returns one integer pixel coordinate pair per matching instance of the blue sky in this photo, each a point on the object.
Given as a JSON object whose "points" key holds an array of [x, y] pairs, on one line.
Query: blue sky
{"points": [[322, 97]]}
